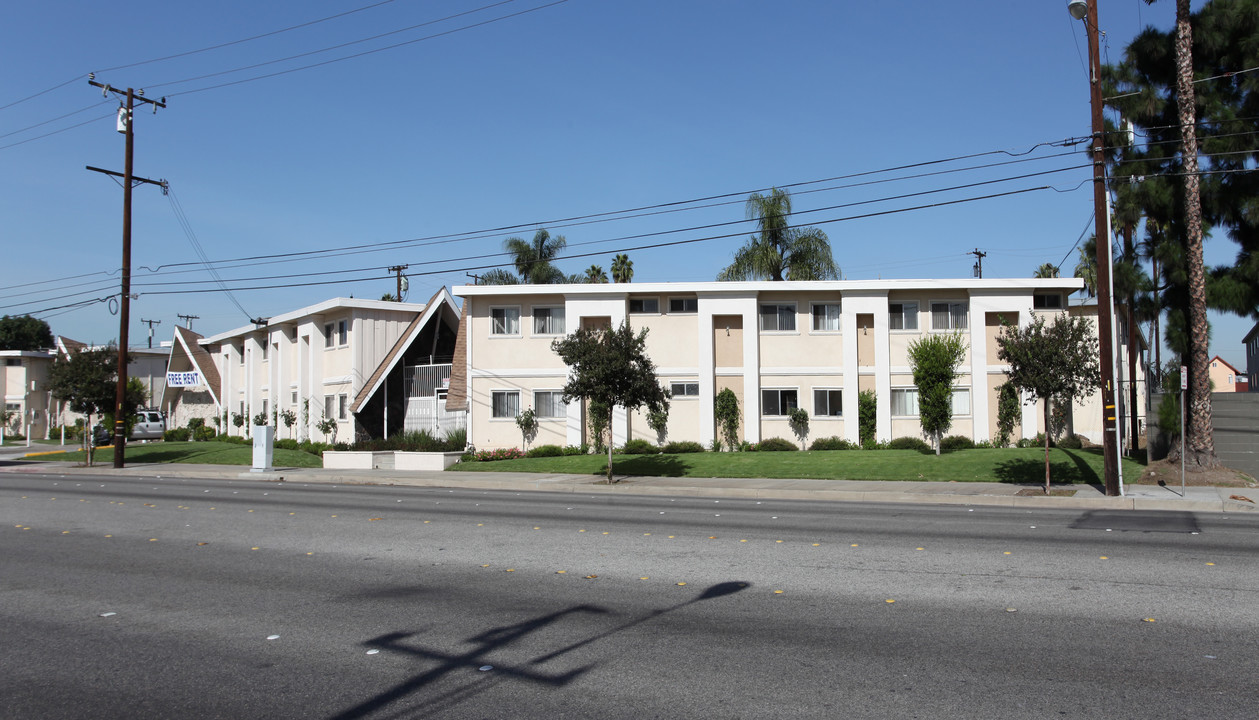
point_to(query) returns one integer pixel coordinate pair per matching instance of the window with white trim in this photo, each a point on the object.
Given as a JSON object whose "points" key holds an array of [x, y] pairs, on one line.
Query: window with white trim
{"points": [[826, 317], [13, 362], [343, 407], [329, 406], [778, 317], [828, 402], [961, 402], [902, 316], [948, 316], [266, 408], [549, 404], [644, 306], [505, 403], [343, 332], [905, 402], [328, 339], [684, 389], [293, 398], [548, 321], [683, 305], [505, 321], [266, 354], [778, 401]]}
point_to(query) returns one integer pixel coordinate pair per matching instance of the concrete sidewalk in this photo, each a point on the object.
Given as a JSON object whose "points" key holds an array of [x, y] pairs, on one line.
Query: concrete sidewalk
{"points": [[1137, 497]]}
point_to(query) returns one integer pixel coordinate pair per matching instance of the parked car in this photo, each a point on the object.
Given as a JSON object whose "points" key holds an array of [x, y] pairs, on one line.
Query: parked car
{"points": [[149, 425]]}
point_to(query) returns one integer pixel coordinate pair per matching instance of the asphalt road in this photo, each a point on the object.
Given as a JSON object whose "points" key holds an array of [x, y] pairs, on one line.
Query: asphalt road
{"points": [[179, 598]]}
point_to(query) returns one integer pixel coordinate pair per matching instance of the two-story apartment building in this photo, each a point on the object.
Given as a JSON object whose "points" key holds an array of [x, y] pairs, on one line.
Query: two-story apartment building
{"points": [[27, 401], [776, 345], [313, 361]]}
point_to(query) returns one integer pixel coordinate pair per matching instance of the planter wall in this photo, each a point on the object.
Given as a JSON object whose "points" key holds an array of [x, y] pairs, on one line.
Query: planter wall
{"points": [[368, 460], [425, 460]]}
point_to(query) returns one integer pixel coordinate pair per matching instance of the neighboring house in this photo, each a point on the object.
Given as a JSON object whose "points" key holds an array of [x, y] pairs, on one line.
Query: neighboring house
{"points": [[1224, 376], [1251, 341], [24, 379], [777, 345], [314, 361], [146, 364], [192, 383]]}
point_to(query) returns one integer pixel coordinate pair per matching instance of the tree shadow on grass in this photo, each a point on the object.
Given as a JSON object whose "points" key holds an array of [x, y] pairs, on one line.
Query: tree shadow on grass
{"points": [[646, 465], [1026, 471]]}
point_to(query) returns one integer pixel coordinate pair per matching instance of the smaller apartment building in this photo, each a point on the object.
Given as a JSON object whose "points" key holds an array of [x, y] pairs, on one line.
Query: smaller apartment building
{"points": [[776, 345], [24, 379]]}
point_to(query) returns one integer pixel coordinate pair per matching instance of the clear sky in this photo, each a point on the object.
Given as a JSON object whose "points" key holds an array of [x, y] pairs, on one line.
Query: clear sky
{"points": [[519, 114]]}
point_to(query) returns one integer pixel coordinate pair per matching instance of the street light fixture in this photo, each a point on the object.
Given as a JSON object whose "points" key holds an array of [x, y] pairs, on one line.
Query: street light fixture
{"points": [[1086, 10]]}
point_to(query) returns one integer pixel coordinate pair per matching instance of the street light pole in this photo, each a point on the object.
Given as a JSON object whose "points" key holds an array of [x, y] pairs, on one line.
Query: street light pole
{"points": [[1086, 10]]}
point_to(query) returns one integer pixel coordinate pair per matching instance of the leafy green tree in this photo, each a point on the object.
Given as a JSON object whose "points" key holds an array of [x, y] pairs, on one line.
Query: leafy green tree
{"points": [[135, 398], [622, 268], [600, 420], [867, 415], [527, 421], [779, 251], [935, 360], [289, 418], [727, 416], [1049, 360], [23, 332], [595, 274], [611, 366], [87, 381], [533, 259], [1008, 413]]}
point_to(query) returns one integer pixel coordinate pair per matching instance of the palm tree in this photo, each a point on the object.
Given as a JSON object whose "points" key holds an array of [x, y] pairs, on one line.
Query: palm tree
{"points": [[498, 276], [622, 268], [595, 274], [780, 251], [533, 259], [1086, 268], [1046, 270]]}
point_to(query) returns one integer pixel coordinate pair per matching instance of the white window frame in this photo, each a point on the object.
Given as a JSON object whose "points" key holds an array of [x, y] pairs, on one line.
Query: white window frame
{"points": [[330, 406], [550, 318], [813, 318], [904, 315], [952, 327], [960, 392], [683, 300], [504, 391], [641, 301], [505, 309], [1044, 299], [343, 333], [839, 406], [563, 411], [892, 401], [673, 385], [266, 350], [778, 316], [779, 390], [293, 399], [329, 336], [343, 407]]}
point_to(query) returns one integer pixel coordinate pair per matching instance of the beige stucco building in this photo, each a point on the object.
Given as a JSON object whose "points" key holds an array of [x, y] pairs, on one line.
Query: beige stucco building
{"points": [[777, 345]]}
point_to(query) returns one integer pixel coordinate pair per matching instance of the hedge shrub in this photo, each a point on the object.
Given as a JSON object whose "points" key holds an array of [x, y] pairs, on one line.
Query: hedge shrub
{"points": [[679, 447], [775, 445], [833, 443], [956, 442], [909, 443]]}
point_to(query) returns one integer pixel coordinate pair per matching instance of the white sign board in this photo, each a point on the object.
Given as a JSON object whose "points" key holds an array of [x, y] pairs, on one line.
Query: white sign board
{"points": [[183, 379], [1184, 378]]}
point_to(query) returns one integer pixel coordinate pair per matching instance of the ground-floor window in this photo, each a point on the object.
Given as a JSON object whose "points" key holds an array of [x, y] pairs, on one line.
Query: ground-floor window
{"points": [[549, 404], [778, 401], [505, 403], [905, 401], [828, 403]]}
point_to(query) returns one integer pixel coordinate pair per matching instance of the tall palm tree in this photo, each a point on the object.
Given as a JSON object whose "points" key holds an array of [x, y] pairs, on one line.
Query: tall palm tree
{"points": [[533, 258], [595, 274], [1086, 268], [622, 268], [1046, 270], [780, 251]]}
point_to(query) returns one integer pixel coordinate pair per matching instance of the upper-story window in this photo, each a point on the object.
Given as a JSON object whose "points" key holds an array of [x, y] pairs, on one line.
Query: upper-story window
{"points": [[505, 321], [647, 305], [902, 316], [329, 339], [826, 317], [683, 305], [778, 318], [684, 389], [343, 332], [242, 353], [1047, 301], [265, 354], [548, 321], [13, 362], [948, 316]]}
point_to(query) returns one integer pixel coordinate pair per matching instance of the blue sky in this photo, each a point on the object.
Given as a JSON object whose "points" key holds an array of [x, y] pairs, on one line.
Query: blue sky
{"points": [[573, 109]]}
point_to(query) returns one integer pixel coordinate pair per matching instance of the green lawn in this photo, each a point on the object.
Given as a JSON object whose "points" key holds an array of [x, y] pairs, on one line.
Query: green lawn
{"points": [[208, 453], [1012, 465]]}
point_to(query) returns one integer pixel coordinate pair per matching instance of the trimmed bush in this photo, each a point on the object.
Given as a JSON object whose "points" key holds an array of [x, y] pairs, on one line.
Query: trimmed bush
{"points": [[775, 445], [202, 433], [679, 447], [956, 442], [235, 439], [833, 443], [545, 451], [639, 446], [177, 434], [909, 443], [1070, 442], [582, 449]]}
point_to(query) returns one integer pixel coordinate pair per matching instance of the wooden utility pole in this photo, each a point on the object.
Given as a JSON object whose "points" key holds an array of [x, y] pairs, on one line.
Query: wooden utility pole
{"points": [[150, 323], [397, 269], [189, 318], [1105, 337], [126, 117]]}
